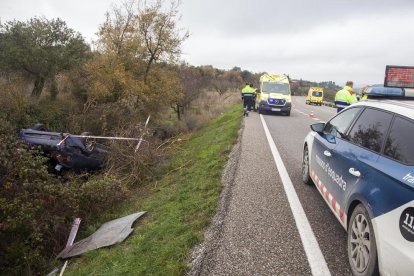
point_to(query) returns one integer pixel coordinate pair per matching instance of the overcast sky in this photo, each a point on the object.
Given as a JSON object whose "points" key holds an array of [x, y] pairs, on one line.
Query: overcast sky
{"points": [[315, 40]]}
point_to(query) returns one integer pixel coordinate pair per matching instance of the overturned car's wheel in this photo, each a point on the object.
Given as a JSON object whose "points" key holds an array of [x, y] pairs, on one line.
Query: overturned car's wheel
{"points": [[39, 126], [88, 142], [362, 249]]}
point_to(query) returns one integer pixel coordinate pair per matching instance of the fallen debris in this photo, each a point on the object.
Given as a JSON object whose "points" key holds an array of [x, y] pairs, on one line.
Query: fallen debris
{"points": [[71, 239], [110, 233]]}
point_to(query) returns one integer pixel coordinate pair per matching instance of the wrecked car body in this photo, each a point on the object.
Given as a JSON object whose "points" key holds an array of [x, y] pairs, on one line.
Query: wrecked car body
{"points": [[67, 151]]}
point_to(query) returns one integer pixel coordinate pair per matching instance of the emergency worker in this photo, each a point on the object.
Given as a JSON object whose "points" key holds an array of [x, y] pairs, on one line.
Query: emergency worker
{"points": [[254, 96], [364, 95], [248, 94], [345, 96]]}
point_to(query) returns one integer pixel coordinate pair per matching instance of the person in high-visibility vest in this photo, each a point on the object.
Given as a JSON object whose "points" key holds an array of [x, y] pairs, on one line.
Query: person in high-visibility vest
{"points": [[364, 95], [248, 94], [345, 96], [254, 96]]}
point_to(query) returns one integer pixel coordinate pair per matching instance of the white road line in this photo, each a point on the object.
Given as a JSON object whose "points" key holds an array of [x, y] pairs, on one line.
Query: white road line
{"points": [[310, 244], [300, 111]]}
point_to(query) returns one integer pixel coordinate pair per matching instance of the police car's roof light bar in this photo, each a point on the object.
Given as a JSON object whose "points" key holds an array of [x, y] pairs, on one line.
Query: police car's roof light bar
{"points": [[380, 90]]}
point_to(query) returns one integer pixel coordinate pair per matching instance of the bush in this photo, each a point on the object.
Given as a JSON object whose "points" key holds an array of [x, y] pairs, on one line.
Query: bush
{"points": [[37, 209], [22, 111], [167, 129], [55, 115], [106, 119]]}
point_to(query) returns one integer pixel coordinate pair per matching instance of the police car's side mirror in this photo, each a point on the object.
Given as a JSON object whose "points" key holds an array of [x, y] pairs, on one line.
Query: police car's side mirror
{"points": [[318, 127]]}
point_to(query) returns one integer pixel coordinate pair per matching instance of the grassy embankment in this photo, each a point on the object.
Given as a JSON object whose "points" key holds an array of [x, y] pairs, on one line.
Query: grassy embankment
{"points": [[180, 205]]}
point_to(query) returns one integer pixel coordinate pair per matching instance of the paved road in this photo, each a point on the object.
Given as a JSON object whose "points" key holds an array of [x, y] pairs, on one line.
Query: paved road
{"points": [[329, 233], [257, 233]]}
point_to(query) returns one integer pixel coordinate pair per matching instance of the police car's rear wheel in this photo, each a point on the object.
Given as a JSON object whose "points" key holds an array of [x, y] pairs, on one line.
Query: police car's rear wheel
{"points": [[305, 167], [362, 249]]}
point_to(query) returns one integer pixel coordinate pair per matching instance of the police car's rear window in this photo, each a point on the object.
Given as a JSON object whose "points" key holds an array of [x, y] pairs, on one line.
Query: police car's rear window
{"points": [[370, 129], [400, 143]]}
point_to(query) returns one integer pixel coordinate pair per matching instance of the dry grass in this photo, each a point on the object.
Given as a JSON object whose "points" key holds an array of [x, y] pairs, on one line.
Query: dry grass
{"points": [[209, 105]]}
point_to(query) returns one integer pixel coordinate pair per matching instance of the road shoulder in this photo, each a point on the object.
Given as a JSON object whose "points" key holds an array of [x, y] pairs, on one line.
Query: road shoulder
{"points": [[204, 252]]}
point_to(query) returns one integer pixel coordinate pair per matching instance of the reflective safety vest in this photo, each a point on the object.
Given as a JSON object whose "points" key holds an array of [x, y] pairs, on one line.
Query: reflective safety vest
{"points": [[248, 91], [344, 97], [364, 97]]}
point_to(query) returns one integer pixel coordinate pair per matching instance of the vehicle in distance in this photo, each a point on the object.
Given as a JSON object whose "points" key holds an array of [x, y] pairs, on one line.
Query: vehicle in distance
{"points": [[67, 151], [315, 96], [362, 163], [274, 94]]}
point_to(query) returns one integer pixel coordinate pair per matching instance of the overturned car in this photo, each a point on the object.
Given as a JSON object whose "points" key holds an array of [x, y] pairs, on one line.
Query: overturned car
{"points": [[66, 151]]}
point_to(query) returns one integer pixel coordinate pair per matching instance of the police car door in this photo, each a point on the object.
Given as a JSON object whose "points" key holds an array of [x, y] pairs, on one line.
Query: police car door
{"points": [[324, 167], [393, 201], [357, 156]]}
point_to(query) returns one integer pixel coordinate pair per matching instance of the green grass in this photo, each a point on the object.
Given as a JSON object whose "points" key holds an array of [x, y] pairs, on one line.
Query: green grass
{"points": [[179, 206]]}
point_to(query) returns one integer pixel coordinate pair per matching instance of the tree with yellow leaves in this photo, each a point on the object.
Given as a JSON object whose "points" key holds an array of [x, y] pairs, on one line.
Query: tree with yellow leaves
{"points": [[135, 44]]}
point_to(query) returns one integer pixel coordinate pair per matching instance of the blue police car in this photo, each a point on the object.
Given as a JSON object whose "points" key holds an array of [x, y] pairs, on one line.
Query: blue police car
{"points": [[362, 163]]}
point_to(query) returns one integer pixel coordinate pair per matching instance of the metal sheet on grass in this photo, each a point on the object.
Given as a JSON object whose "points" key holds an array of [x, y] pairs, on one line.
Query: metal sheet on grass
{"points": [[110, 233]]}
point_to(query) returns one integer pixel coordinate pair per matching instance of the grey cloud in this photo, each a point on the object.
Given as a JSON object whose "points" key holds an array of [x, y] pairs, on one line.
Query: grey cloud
{"points": [[234, 18], [82, 16], [322, 40]]}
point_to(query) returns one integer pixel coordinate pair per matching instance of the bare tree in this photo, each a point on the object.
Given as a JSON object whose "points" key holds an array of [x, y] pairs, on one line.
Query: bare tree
{"points": [[191, 84], [119, 31], [161, 36]]}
